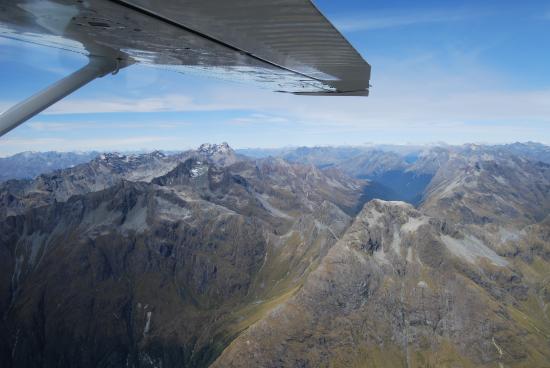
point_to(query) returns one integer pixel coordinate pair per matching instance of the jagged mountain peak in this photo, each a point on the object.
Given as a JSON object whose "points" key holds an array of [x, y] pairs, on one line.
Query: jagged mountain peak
{"points": [[395, 224], [220, 154], [131, 157], [489, 187], [192, 168], [212, 149], [410, 278], [259, 257]]}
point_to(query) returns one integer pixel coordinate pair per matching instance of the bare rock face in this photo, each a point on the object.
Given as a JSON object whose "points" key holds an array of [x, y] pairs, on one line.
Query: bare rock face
{"points": [[403, 289], [209, 258], [490, 186], [163, 272], [106, 170], [219, 154]]}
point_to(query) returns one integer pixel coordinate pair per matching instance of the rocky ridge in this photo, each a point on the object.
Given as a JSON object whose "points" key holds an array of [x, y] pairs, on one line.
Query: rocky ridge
{"points": [[459, 282], [207, 257], [402, 289], [174, 268]]}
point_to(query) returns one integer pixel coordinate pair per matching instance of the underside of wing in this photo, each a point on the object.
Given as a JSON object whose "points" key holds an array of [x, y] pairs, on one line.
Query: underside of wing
{"points": [[283, 45]]}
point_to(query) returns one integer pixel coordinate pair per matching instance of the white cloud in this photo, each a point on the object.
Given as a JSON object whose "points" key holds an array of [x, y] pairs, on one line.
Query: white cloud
{"points": [[14, 145], [53, 126], [413, 100], [401, 100], [468, 105], [110, 104], [383, 20], [257, 118], [165, 103]]}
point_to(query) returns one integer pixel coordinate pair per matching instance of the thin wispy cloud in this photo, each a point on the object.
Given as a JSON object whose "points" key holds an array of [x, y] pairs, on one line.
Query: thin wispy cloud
{"points": [[426, 104], [165, 103], [256, 118], [111, 104], [53, 126], [368, 22], [454, 87], [13, 145]]}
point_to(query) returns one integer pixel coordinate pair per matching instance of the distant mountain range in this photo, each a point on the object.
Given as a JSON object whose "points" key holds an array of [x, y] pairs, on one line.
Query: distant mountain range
{"points": [[294, 258], [27, 165], [396, 172]]}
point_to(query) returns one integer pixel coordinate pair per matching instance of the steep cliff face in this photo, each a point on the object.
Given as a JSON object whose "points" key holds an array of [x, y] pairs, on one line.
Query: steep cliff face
{"points": [[104, 171], [402, 289], [487, 187], [163, 273], [16, 196], [122, 270], [207, 257], [461, 281]]}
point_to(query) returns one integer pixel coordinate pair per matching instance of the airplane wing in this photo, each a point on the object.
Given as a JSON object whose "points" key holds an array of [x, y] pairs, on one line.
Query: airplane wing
{"points": [[283, 45]]}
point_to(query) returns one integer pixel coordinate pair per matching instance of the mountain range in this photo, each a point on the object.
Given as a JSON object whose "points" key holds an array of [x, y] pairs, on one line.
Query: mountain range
{"points": [[310, 257], [27, 165]]}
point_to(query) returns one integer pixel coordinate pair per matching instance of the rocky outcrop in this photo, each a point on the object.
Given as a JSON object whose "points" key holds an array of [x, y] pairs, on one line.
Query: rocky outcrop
{"points": [[460, 281], [219, 154], [16, 196], [483, 186], [207, 257], [402, 289], [163, 273]]}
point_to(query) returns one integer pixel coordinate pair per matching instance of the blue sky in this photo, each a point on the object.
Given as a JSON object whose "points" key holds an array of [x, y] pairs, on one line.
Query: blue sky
{"points": [[443, 71]]}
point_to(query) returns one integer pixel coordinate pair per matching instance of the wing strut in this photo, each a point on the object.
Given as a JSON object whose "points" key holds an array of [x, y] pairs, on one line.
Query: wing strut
{"points": [[97, 67]]}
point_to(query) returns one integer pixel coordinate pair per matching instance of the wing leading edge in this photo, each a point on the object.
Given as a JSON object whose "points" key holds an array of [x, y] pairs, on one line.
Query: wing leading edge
{"points": [[286, 45], [290, 34], [283, 45]]}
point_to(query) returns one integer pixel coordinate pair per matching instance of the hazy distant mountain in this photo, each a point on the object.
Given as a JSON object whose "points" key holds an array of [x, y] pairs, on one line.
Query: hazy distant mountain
{"points": [[27, 165], [322, 157], [208, 257], [530, 150], [262, 152], [400, 172], [489, 185], [102, 172]]}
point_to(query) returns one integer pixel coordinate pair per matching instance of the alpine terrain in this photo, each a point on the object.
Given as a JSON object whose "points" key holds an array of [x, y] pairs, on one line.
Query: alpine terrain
{"points": [[381, 256]]}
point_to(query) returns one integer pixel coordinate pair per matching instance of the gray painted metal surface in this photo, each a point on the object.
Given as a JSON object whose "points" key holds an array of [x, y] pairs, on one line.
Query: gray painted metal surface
{"points": [[18, 114], [283, 45]]}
